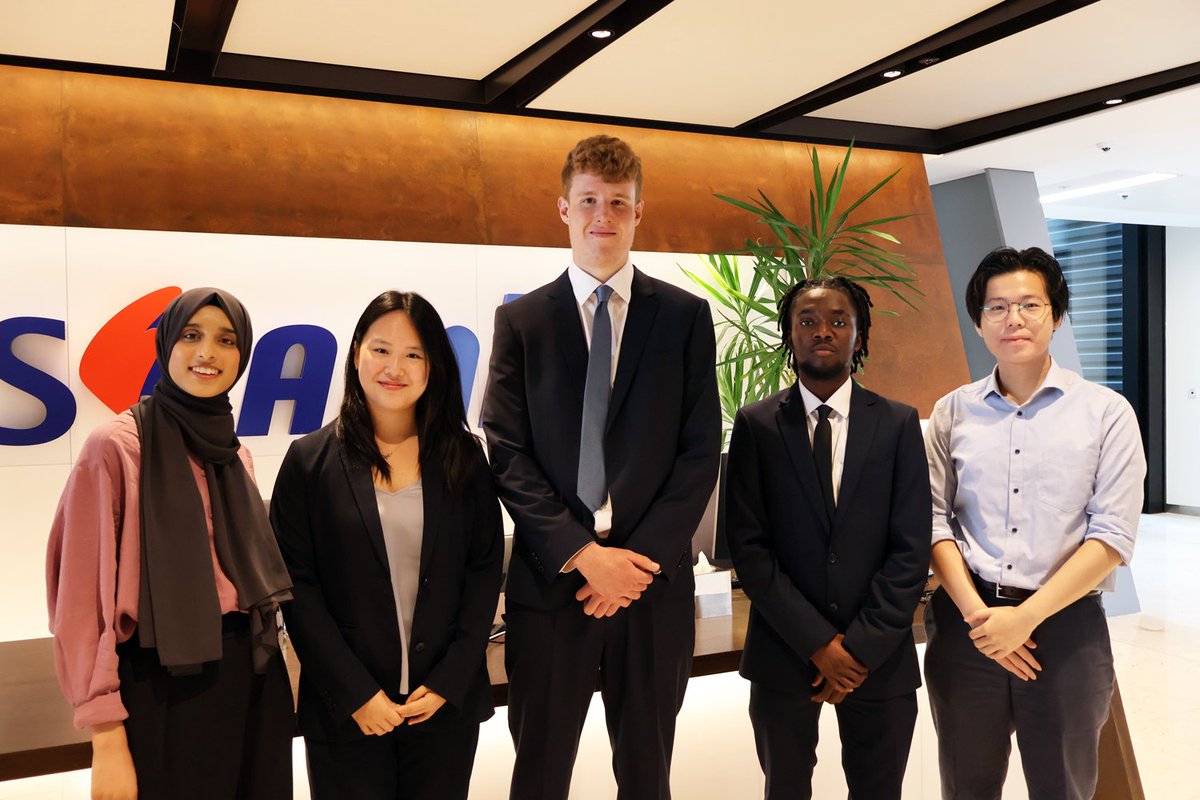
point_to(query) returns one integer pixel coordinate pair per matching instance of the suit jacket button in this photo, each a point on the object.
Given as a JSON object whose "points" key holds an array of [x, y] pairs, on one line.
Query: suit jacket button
{"points": [[833, 606], [833, 558], [419, 646]]}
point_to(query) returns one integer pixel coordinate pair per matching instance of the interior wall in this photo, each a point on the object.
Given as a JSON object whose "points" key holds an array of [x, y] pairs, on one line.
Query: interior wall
{"points": [[101, 151], [1183, 367]]}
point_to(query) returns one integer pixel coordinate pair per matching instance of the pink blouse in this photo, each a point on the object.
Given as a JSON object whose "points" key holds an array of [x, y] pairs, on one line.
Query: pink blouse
{"points": [[93, 568]]}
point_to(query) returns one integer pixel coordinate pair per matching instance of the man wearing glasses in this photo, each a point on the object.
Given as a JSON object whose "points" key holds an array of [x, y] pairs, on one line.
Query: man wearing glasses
{"points": [[1037, 487]]}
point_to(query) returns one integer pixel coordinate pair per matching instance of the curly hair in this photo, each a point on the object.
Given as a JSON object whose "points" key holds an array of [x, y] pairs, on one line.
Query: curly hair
{"points": [[606, 156], [858, 298]]}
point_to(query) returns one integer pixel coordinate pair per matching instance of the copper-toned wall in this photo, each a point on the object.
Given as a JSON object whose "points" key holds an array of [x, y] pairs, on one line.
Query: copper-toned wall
{"points": [[98, 151]]}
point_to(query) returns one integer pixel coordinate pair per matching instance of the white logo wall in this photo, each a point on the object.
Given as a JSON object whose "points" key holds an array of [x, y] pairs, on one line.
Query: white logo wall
{"points": [[84, 276]]}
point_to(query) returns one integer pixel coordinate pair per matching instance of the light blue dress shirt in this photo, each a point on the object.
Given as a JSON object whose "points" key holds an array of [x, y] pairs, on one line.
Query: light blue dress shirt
{"points": [[1021, 487]]}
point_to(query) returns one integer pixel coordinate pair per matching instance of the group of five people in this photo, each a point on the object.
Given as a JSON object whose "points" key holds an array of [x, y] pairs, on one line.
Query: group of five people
{"points": [[384, 545]]}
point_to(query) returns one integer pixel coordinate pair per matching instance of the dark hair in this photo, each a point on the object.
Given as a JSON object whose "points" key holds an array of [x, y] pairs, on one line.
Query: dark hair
{"points": [[1003, 260], [441, 418], [606, 156], [862, 313]]}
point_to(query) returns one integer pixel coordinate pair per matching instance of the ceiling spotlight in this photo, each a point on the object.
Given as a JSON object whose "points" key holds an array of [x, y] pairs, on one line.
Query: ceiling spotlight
{"points": [[928, 61], [893, 73], [600, 33], [1116, 101]]}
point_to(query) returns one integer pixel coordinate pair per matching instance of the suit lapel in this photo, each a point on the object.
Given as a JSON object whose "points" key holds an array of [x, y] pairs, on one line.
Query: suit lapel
{"points": [[793, 428], [433, 505], [643, 307], [864, 419], [569, 332], [363, 488]]}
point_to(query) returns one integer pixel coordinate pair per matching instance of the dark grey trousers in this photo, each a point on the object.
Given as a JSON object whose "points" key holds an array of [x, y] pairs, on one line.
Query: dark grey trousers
{"points": [[977, 704]]}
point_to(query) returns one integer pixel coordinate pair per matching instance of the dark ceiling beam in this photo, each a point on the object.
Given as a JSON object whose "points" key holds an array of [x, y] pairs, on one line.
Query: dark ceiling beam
{"points": [[1019, 120], [360, 82], [198, 32], [548, 61], [996, 23]]}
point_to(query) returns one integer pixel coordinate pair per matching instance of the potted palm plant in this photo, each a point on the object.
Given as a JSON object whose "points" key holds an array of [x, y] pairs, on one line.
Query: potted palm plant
{"points": [[751, 361]]}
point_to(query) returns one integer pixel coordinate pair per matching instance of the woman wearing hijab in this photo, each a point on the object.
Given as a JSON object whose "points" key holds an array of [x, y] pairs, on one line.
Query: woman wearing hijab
{"points": [[389, 524], [164, 579]]}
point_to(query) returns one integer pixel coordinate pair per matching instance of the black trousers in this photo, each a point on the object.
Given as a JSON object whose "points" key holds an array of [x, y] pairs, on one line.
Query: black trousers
{"points": [[642, 657], [429, 761], [977, 704], [876, 736], [225, 732]]}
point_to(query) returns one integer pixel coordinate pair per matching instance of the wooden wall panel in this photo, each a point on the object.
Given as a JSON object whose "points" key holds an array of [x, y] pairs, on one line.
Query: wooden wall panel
{"points": [[161, 156], [31, 175], [100, 151]]}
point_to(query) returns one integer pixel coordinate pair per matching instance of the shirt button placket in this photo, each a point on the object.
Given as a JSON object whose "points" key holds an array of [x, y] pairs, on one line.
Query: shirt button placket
{"points": [[1017, 476]]}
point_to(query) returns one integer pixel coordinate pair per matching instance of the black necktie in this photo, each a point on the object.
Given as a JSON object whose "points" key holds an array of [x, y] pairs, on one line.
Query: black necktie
{"points": [[823, 456]]}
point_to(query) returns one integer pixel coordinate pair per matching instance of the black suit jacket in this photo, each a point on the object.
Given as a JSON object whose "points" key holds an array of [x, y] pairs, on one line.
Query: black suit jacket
{"points": [[342, 619], [808, 582], [661, 442]]}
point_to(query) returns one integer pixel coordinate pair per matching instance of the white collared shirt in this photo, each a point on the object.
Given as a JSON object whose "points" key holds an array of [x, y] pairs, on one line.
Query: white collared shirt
{"points": [[839, 424], [584, 286]]}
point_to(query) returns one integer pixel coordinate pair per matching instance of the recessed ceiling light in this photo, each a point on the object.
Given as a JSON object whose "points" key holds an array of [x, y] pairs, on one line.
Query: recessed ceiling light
{"points": [[893, 73], [601, 33], [1100, 188], [928, 61], [1116, 101]]}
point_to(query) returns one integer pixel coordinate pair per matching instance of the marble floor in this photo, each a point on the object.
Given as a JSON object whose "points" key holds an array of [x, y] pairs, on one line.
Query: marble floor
{"points": [[1157, 655]]}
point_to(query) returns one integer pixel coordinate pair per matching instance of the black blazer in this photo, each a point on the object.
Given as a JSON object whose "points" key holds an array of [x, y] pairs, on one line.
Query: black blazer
{"points": [[662, 439], [342, 619], [806, 583]]}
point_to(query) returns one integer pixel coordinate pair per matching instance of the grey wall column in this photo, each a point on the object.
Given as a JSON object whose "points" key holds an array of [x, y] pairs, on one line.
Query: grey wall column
{"points": [[998, 208]]}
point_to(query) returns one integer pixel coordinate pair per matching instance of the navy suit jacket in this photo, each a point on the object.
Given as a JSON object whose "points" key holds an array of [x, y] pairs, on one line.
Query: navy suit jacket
{"points": [[661, 443], [807, 581], [342, 618]]}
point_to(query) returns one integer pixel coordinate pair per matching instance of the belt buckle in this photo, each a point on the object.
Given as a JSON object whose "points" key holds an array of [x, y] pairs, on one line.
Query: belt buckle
{"points": [[1010, 593]]}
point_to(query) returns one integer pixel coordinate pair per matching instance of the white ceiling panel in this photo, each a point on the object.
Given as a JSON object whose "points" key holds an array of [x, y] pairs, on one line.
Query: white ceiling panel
{"points": [[125, 33], [716, 62], [455, 38], [1100, 44], [1153, 135]]}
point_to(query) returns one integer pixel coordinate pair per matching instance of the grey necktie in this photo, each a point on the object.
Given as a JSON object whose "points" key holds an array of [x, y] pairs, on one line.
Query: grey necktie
{"points": [[592, 485]]}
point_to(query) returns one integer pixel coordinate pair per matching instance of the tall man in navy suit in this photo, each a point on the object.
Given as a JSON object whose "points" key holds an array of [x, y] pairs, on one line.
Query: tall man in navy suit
{"points": [[603, 426], [828, 523]]}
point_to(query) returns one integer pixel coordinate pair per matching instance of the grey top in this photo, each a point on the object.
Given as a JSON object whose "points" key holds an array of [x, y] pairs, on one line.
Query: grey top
{"points": [[402, 516]]}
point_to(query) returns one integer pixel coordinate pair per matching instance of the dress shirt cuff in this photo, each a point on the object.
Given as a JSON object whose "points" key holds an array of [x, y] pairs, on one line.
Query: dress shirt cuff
{"points": [[942, 531], [569, 566], [99, 710], [1120, 541]]}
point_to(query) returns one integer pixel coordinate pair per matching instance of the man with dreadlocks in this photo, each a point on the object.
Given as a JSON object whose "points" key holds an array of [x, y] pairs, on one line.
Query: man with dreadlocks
{"points": [[828, 522]]}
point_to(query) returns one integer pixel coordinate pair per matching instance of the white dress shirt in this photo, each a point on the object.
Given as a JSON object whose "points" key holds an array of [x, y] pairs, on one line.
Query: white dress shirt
{"points": [[584, 287], [839, 424]]}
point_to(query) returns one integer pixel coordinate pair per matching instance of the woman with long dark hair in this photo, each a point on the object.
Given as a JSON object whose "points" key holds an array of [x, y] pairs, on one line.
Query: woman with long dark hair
{"points": [[164, 579], [390, 527]]}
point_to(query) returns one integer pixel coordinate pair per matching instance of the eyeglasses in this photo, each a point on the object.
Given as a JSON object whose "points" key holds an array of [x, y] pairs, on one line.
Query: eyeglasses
{"points": [[1030, 310]]}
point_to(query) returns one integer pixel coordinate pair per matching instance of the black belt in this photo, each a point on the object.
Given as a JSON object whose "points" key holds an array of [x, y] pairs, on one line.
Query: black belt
{"points": [[989, 589]]}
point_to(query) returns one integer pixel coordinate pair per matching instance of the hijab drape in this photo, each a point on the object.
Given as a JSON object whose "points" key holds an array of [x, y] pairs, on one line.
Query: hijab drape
{"points": [[178, 610]]}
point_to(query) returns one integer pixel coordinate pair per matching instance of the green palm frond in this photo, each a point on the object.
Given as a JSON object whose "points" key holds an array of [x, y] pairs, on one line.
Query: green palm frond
{"points": [[751, 363]]}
